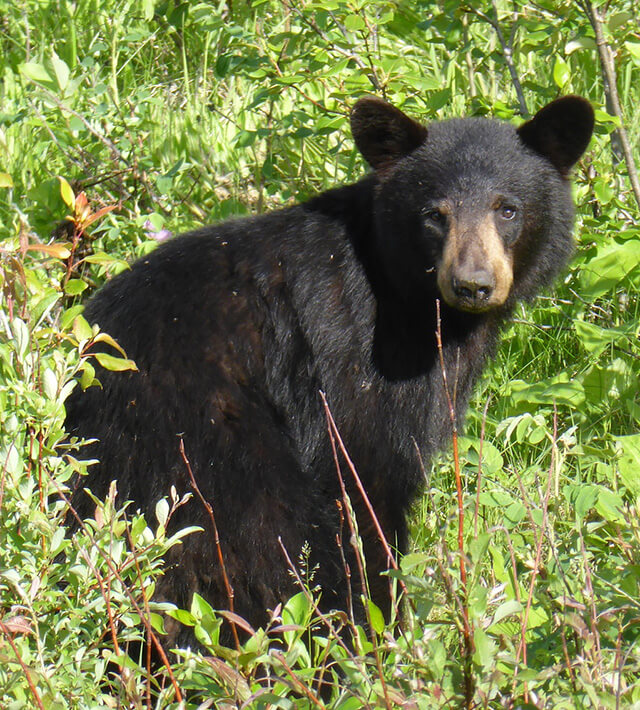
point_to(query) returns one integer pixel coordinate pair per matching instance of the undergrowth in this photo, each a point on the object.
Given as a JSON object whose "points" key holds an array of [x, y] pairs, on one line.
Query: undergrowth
{"points": [[122, 124]]}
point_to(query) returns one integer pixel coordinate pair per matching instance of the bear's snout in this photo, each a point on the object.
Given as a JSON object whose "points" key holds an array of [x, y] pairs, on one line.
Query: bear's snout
{"points": [[473, 286], [475, 272]]}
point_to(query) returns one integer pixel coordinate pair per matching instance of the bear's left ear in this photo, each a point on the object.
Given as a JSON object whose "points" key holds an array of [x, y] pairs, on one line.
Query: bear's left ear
{"points": [[560, 131], [383, 133]]}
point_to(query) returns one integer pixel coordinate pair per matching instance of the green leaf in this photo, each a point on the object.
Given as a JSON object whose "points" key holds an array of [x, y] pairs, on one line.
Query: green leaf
{"points": [[20, 337], [184, 617], [200, 608], [515, 513], [81, 328], [561, 72], [49, 383], [559, 389], [67, 194], [296, 610], [88, 376], [68, 316], [148, 9], [603, 191], [580, 43], [36, 72], [115, 364], [61, 71], [376, 616], [508, 608], [485, 648], [629, 461], [585, 500], [354, 23], [595, 339], [606, 270], [610, 505], [477, 603], [618, 19], [634, 50], [162, 511], [73, 287]]}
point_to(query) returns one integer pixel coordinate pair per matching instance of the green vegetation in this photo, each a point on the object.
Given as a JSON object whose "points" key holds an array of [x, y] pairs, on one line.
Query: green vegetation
{"points": [[121, 120]]}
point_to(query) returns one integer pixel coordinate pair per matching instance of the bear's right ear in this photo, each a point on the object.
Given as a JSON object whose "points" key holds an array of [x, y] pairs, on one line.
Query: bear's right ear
{"points": [[560, 131], [383, 133]]}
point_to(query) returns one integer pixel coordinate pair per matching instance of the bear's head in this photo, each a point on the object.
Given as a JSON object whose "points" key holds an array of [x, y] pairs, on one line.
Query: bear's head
{"points": [[475, 211]]}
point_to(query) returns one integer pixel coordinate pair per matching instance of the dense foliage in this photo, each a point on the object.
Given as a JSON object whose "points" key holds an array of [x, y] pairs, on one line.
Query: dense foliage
{"points": [[121, 123]]}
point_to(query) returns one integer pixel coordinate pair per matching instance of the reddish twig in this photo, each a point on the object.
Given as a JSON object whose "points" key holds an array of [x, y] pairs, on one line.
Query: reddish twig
{"points": [[374, 518], [468, 640], [223, 569], [593, 613], [522, 647], [299, 685], [333, 431], [334, 436], [479, 479], [147, 611], [345, 564], [456, 456], [107, 560], [24, 667]]}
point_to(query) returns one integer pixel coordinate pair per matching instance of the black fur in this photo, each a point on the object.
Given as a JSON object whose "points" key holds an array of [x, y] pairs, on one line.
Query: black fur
{"points": [[235, 328]]}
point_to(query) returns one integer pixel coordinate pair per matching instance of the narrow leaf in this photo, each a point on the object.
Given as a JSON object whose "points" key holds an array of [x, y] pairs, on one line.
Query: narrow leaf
{"points": [[115, 364], [67, 194]]}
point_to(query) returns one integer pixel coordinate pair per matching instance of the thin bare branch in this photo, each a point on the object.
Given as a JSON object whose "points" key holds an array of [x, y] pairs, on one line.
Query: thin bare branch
{"points": [[610, 83], [209, 508]]}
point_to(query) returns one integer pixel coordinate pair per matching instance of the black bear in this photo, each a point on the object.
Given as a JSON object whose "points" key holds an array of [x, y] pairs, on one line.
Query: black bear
{"points": [[237, 328]]}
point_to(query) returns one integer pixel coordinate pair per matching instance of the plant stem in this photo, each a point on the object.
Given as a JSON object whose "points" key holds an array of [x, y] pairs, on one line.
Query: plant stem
{"points": [[620, 137]]}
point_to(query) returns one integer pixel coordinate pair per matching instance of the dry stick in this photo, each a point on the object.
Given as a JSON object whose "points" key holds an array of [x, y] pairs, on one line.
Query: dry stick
{"points": [[522, 647], [223, 569], [335, 435], [24, 667], [109, 562], [611, 91], [468, 641]]}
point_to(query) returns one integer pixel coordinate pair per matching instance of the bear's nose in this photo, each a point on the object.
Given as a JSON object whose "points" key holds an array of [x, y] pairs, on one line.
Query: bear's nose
{"points": [[473, 286]]}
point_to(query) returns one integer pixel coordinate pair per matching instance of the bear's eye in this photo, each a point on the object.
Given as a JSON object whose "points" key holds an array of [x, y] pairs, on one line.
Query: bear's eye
{"points": [[434, 216], [507, 211]]}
